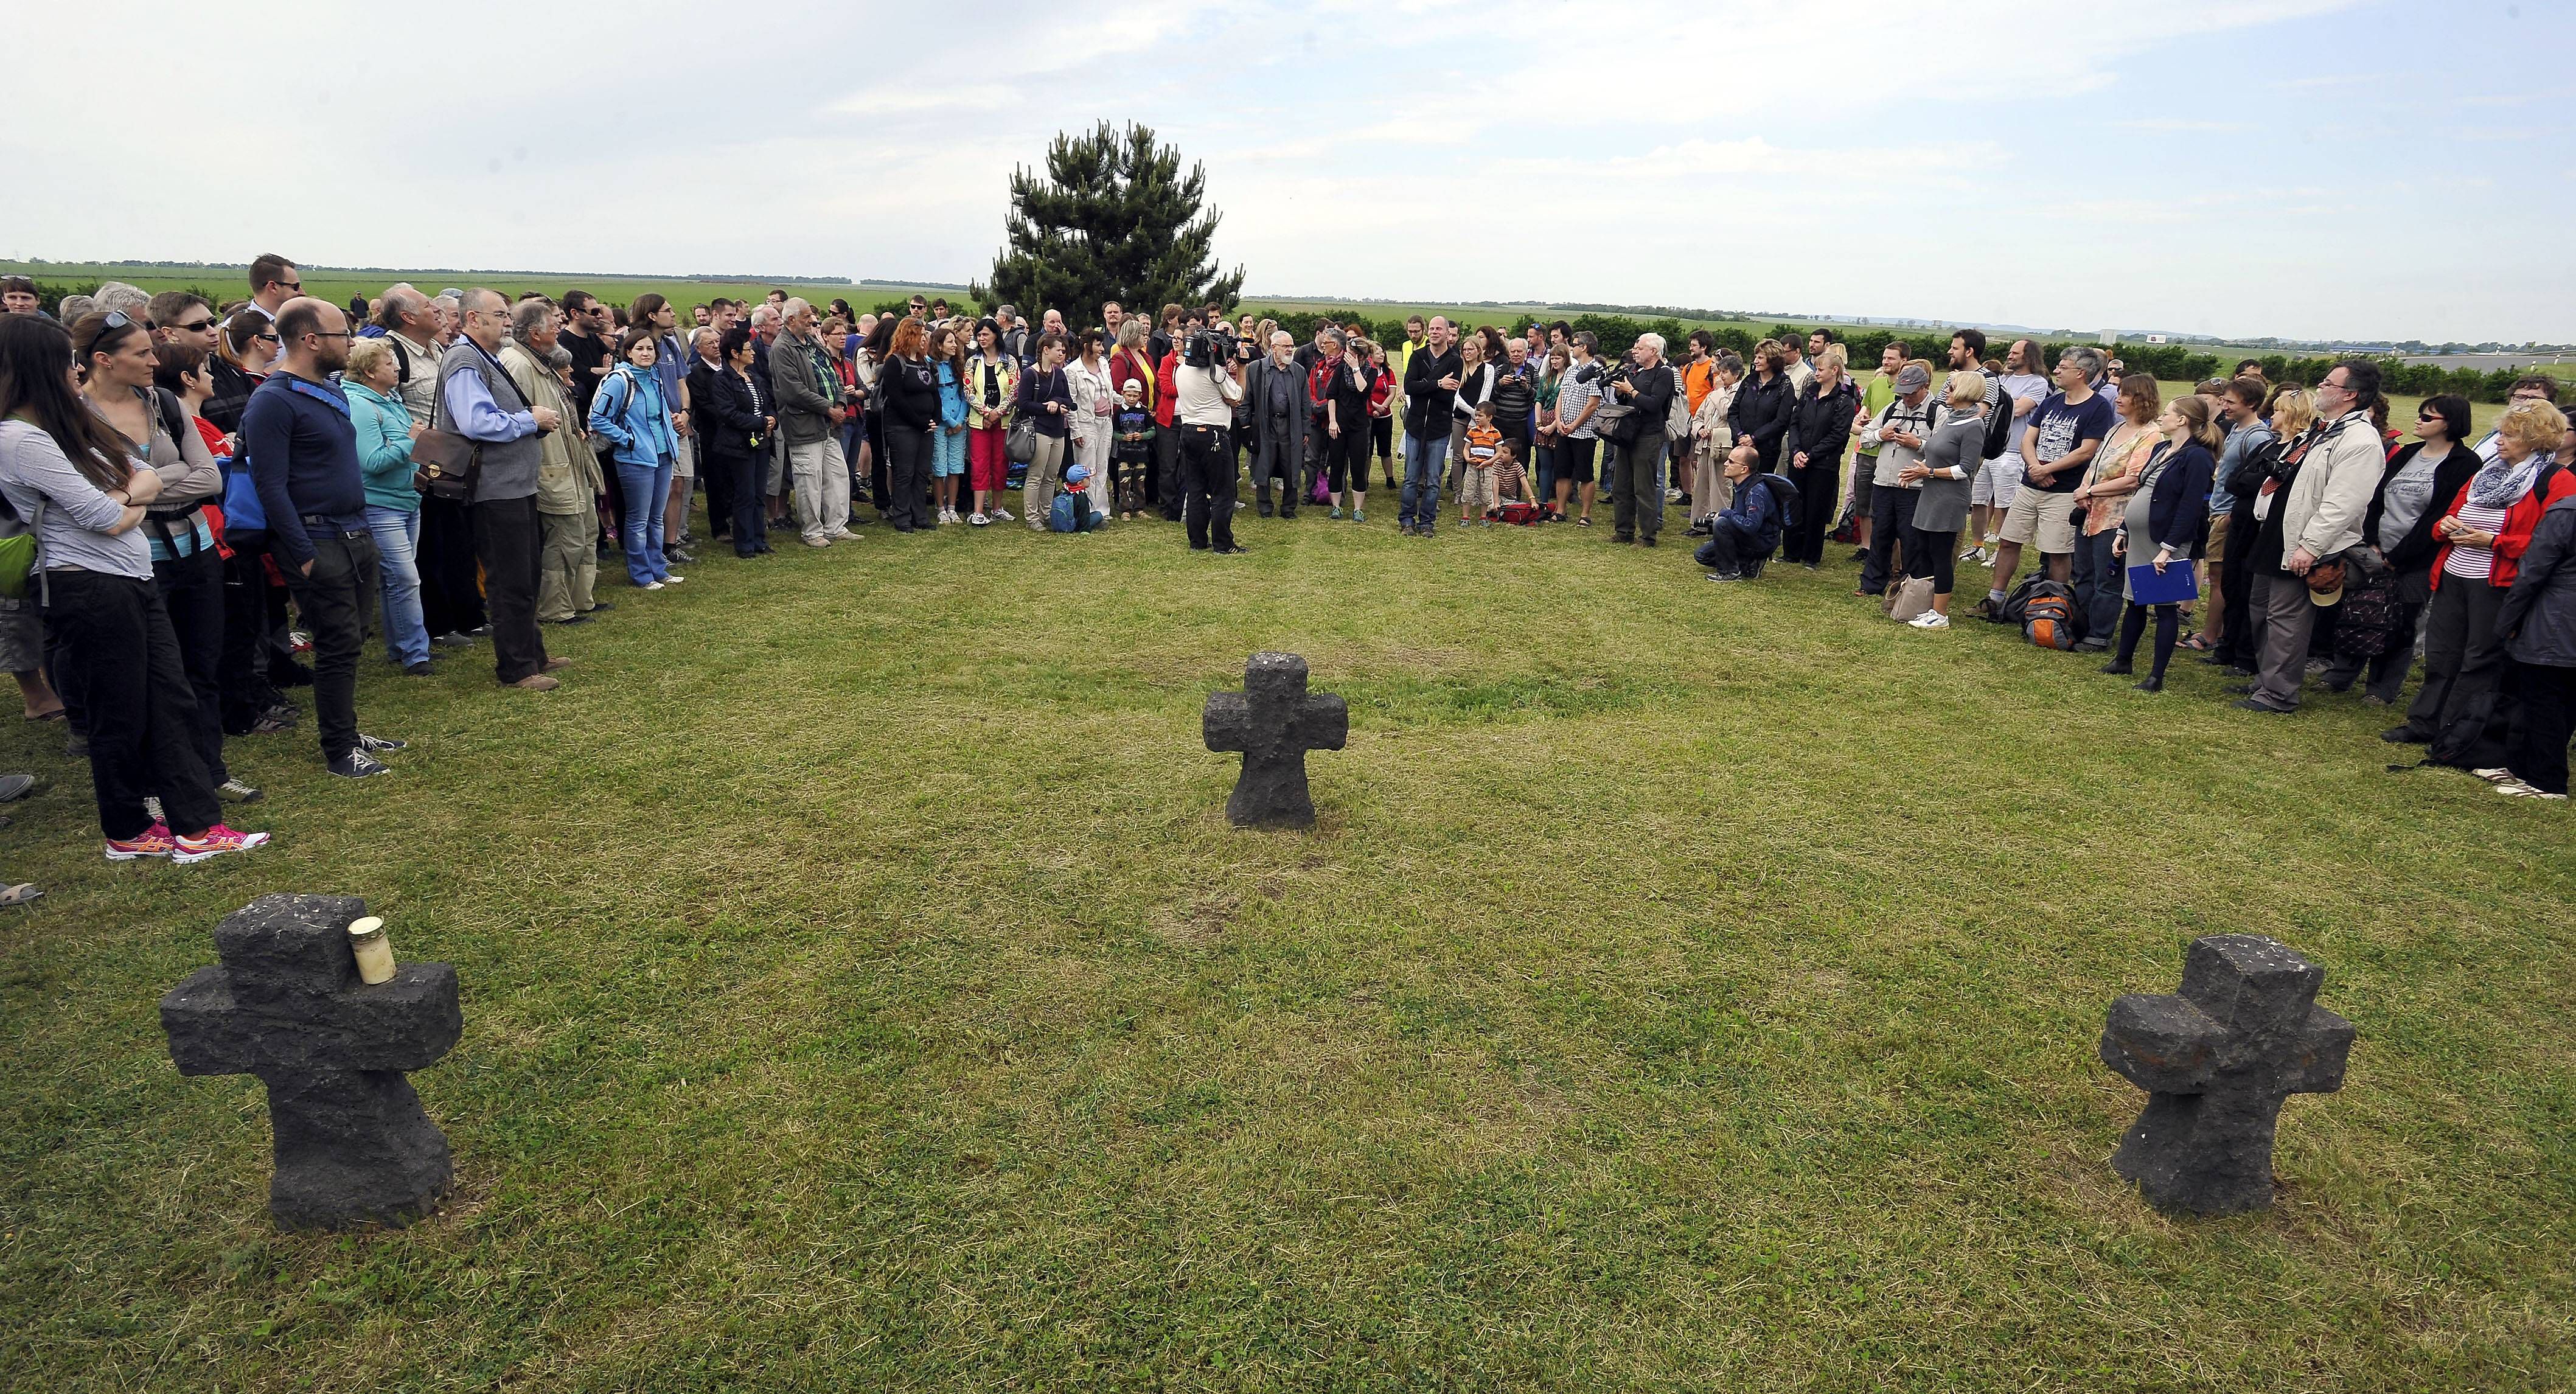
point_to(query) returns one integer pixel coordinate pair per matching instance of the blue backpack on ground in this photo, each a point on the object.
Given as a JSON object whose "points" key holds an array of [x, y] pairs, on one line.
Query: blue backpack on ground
{"points": [[1064, 514]]}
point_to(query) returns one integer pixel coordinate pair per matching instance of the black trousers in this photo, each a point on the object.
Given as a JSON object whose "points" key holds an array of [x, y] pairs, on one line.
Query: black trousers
{"points": [[1891, 522], [1729, 548], [192, 590], [1636, 487], [2236, 575], [506, 537], [244, 689], [1209, 504], [2537, 752], [2463, 663], [1171, 477], [717, 472], [450, 600], [907, 475], [1819, 484], [110, 643], [1926, 553], [334, 599], [741, 480]]}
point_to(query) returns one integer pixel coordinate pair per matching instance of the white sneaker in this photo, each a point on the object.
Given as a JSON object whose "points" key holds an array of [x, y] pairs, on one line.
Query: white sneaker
{"points": [[1970, 552], [675, 578], [1930, 619], [2516, 789], [1001, 515], [2498, 775], [652, 585], [980, 520]]}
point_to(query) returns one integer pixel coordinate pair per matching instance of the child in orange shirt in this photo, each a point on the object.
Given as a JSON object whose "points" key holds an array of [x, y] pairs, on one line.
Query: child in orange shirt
{"points": [[1484, 451]]}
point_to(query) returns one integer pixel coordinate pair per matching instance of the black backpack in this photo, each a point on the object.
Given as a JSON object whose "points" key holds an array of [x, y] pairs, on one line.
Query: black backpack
{"points": [[1999, 425], [1784, 494]]}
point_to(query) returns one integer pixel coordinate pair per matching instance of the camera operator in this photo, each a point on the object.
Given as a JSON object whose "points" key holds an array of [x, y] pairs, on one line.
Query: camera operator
{"points": [[1205, 389], [1636, 486]]}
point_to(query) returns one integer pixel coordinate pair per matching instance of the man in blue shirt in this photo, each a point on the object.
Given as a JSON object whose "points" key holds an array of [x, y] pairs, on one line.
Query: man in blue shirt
{"points": [[477, 400], [303, 455], [2230, 558]]}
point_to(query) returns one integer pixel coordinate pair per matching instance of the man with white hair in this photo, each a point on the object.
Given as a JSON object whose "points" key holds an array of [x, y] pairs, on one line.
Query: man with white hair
{"points": [[1274, 397], [1636, 477], [478, 400], [569, 479], [810, 413], [131, 300]]}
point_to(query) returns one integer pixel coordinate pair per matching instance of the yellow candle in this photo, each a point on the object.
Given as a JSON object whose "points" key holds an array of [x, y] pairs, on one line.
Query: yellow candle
{"points": [[375, 951]]}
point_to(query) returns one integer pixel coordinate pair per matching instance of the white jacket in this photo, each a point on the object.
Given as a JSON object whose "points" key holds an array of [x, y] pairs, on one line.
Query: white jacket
{"points": [[2332, 493]]}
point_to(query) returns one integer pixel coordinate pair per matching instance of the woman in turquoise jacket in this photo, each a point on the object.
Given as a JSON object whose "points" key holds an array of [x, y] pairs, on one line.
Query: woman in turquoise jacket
{"points": [[628, 412], [948, 447], [385, 431]]}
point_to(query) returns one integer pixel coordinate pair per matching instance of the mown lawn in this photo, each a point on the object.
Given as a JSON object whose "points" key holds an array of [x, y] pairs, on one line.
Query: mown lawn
{"points": [[1688, 988]]}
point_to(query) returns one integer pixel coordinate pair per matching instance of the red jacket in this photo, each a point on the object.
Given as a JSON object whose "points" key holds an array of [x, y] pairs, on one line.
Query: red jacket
{"points": [[2519, 520], [1164, 390]]}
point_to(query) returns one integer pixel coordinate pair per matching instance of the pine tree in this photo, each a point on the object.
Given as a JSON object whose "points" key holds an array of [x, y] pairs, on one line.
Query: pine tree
{"points": [[1113, 219]]}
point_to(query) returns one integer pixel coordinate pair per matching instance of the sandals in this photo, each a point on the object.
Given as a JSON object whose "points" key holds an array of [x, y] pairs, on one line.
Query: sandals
{"points": [[57, 714], [23, 893], [1586, 522], [2195, 643]]}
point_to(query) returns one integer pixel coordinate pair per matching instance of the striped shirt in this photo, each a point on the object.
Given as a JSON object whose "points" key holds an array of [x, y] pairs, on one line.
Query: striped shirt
{"points": [[2474, 563]]}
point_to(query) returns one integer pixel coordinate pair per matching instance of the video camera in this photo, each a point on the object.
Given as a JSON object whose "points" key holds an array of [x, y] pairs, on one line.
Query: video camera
{"points": [[1209, 348]]}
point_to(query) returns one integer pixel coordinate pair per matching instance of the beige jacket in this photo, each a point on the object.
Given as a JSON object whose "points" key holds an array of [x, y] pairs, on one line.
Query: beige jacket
{"points": [[2332, 493], [568, 475]]}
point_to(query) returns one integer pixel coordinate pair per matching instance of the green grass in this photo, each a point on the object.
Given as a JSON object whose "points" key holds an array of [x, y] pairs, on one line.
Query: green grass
{"points": [[1688, 988]]}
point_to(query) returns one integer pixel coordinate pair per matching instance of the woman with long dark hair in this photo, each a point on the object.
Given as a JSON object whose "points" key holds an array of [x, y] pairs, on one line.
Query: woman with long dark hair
{"points": [[992, 386], [74, 475], [1763, 403], [119, 365], [629, 411]]}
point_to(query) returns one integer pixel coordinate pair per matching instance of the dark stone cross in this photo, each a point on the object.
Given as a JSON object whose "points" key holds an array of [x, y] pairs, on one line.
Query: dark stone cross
{"points": [[2217, 1060], [1274, 723], [286, 1004]]}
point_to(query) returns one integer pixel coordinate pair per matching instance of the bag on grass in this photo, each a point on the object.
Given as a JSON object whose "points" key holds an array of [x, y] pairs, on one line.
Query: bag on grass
{"points": [[1785, 494], [1061, 516], [1520, 513], [1909, 598], [2048, 615]]}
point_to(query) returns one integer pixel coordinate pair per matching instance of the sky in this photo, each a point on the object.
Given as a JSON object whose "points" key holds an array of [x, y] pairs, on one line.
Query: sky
{"points": [[2293, 168]]}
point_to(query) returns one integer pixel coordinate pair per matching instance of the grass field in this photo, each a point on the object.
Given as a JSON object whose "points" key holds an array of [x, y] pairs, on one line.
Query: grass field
{"points": [[1687, 988]]}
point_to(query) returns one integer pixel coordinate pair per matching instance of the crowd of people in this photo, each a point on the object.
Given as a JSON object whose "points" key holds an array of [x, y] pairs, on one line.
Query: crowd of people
{"points": [[209, 494]]}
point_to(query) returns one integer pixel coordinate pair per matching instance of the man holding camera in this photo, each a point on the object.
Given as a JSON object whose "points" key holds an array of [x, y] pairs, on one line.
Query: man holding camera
{"points": [[811, 408], [1205, 391], [1636, 485]]}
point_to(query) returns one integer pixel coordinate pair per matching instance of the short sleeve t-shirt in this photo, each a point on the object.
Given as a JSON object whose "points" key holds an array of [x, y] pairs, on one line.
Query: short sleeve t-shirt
{"points": [[2016, 387], [1574, 392], [2063, 428]]}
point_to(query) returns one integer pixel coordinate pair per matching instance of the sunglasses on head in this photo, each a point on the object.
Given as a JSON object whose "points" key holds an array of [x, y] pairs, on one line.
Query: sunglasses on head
{"points": [[116, 320]]}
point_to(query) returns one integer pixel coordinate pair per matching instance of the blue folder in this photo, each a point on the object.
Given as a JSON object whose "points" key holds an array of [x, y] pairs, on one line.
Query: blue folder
{"points": [[2180, 581]]}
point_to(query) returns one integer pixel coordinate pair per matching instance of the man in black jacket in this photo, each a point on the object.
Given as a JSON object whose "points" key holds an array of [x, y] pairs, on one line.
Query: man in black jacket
{"points": [[1636, 483], [1430, 385]]}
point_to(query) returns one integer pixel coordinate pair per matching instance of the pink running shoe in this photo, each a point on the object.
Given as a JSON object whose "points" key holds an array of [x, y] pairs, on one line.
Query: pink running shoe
{"points": [[217, 841], [155, 841]]}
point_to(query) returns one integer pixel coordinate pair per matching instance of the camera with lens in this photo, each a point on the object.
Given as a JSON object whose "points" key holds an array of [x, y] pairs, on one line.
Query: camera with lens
{"points": [[1617, 373], [1208, 348]]}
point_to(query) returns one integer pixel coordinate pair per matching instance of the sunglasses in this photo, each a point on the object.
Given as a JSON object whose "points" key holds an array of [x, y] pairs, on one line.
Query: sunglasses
{"points": [[116, 320], [195, 326]]}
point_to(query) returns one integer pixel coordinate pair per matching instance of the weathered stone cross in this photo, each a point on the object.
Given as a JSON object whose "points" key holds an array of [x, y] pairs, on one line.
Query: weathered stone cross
{"points": [[1274, 723], [286, 1004], [2217, 1060]]}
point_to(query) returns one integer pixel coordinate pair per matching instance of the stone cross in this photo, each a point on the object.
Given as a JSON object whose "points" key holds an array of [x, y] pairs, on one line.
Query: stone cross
{"points": [[1274, 723], [2244, 1034], [286, 1004]]}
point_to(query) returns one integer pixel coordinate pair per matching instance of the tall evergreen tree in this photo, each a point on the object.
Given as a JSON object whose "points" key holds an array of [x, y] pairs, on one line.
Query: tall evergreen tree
{"points": [[1112, 219]]}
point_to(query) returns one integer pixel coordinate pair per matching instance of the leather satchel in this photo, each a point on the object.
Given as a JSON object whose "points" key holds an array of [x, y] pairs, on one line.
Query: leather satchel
{"points": [[446, 465]]}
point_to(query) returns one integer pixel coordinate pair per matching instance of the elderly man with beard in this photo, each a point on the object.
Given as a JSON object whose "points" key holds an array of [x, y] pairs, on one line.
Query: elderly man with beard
{"points": [[569, 480], [1274, 395]]}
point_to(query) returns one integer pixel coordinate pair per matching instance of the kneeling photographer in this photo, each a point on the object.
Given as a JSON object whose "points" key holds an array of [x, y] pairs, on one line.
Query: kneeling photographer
{"points": [[1205, 389]]}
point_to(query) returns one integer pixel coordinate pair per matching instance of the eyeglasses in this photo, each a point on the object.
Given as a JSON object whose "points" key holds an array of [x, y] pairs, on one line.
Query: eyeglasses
{"points": [[270, 337], [116, 320], [328, 334], [195, 326], [291, 286]]}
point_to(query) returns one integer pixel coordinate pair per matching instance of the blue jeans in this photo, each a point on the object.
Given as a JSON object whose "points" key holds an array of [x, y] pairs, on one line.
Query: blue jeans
{"points": [[1423, 462], [397, 533], [647, 488]]}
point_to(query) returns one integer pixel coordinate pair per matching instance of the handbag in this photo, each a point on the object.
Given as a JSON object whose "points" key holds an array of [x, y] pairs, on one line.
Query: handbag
{"points": [[1022, 443], [445, 465], [1909, 598]]}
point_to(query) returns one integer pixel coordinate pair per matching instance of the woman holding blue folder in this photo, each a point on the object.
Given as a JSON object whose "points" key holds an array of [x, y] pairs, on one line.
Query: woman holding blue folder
{"points": [[2171, 503]]}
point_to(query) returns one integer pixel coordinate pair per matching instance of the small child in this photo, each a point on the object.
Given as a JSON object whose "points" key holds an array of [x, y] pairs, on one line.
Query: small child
{"points": [[1131, 449], [1511, 482], [1077, 481], [1484, 450]]}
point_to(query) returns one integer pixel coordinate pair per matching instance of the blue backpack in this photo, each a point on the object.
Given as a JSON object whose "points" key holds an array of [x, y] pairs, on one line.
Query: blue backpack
{"points": [[1061, 516]]}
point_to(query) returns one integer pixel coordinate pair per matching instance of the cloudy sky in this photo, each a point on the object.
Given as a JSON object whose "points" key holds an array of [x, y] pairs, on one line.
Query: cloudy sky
{"points": [[2311, 168]]}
